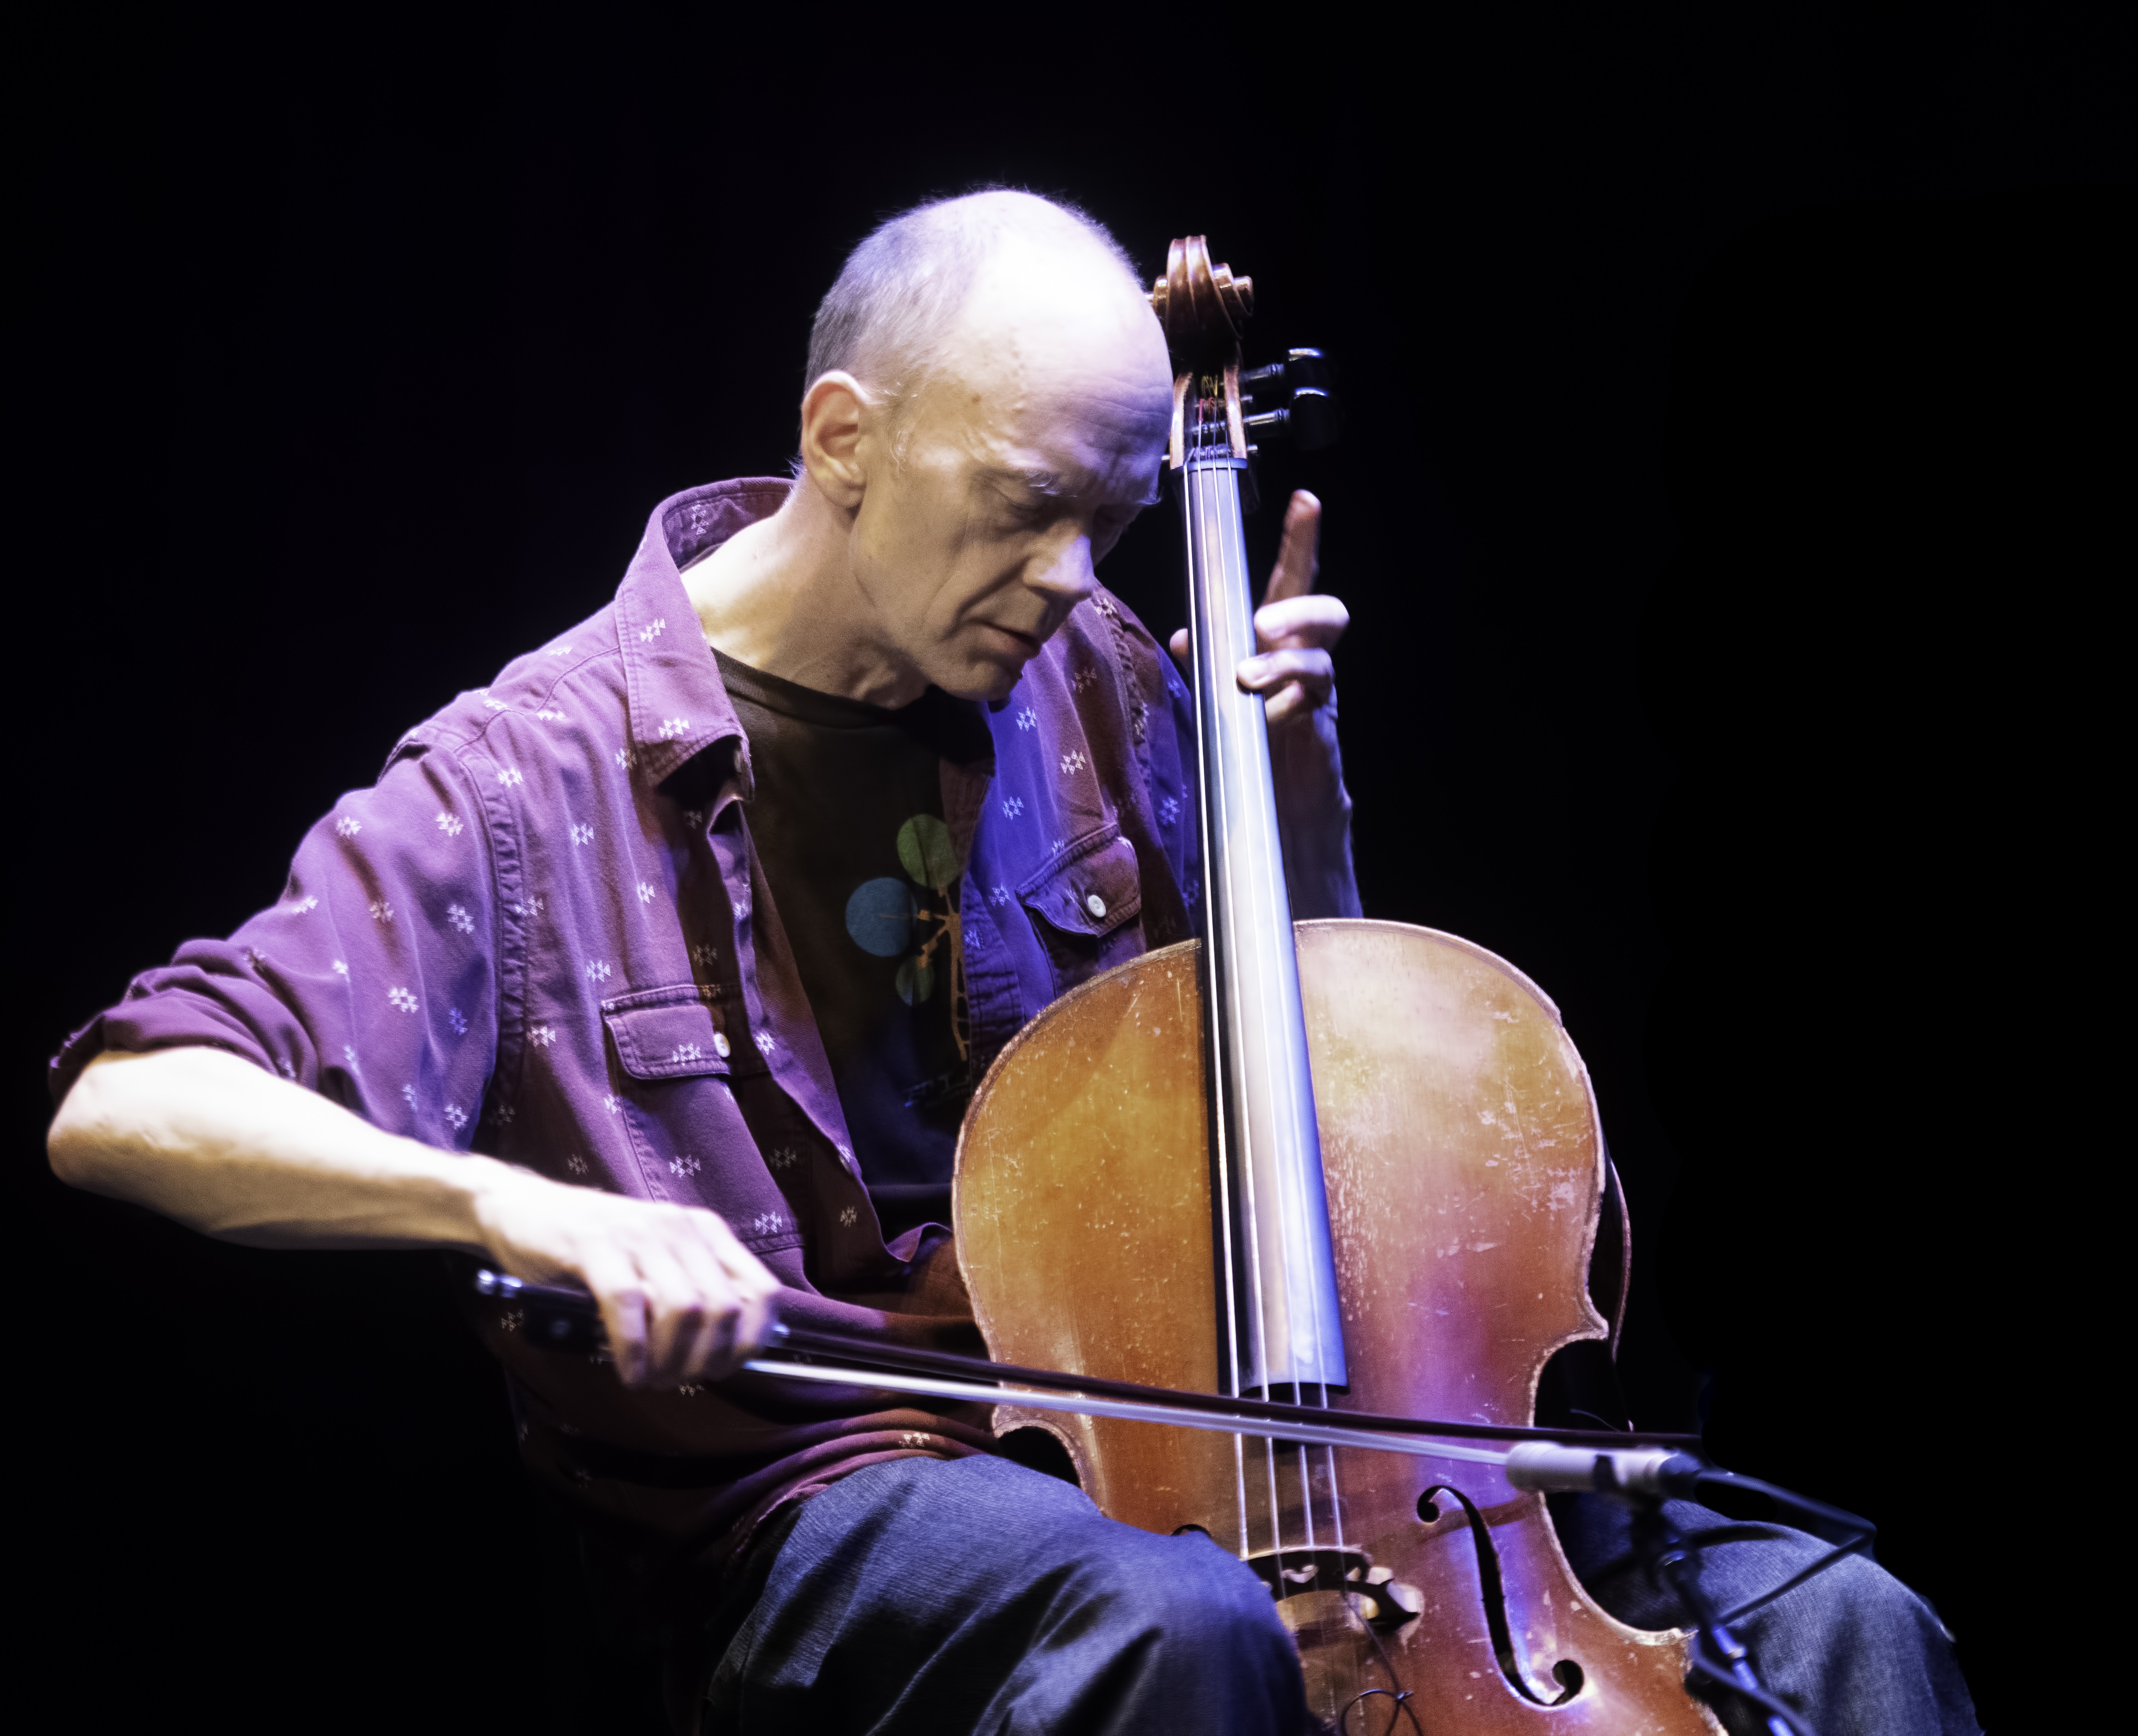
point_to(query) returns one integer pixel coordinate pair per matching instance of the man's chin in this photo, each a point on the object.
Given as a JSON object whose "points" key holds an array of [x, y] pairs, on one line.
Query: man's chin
{"points": [[992, 691], [989, 682]]}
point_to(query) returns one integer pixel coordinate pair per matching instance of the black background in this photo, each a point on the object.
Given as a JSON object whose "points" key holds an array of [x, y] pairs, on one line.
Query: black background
{"points": [[1731, 449]]}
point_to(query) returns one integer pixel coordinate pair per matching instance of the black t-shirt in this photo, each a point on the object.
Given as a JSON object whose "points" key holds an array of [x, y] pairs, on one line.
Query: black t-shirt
{"points": [[847, 817]]}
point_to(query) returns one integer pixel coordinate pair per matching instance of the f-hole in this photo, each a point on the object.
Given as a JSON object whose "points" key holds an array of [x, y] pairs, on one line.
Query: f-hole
{"points": [[1491, 1592], [1040, 1450]]}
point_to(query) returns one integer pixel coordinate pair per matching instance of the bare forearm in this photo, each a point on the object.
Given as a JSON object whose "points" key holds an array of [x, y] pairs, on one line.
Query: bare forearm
{"points": [[216, 1143], [211, 1140]]}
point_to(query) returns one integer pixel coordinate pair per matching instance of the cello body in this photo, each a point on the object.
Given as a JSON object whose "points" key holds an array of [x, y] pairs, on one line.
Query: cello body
{"points": [[1341, 1165], [1464, 1168]]}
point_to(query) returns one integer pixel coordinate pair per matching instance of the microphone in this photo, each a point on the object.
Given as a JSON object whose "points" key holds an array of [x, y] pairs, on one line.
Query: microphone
{"points": [[1550, 1470]]}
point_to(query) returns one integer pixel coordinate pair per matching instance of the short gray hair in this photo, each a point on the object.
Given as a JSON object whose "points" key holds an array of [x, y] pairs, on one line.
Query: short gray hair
{"points": [[901, 290]]}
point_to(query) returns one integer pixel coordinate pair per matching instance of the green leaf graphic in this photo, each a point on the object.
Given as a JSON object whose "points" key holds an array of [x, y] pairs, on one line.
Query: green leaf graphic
{"points": [[916, 982], [924, 848]]}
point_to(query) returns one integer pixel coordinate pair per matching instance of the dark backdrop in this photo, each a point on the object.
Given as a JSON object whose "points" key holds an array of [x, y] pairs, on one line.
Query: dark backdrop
{"points": [[1718, 516]]}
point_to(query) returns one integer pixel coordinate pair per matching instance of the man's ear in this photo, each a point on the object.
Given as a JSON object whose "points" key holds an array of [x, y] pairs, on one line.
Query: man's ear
{"points": [[837, 412]]}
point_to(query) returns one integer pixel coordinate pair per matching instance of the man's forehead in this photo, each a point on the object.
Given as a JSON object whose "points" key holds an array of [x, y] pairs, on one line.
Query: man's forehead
{"points": [[1060, 322]]}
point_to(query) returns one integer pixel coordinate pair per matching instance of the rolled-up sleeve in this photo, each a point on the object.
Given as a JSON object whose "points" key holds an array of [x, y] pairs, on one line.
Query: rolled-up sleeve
{"points": [[372, 980]]}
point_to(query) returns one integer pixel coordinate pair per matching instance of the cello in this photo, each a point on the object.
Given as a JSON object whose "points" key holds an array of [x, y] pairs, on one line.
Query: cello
{"points": [[1347, 1165]]}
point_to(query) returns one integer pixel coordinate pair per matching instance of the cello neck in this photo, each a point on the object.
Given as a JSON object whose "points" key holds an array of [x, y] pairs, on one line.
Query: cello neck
{"points": [[1283, 1327]]}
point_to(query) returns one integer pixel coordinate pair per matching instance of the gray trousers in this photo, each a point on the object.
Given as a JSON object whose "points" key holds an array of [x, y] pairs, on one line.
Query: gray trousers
{"points": [[1852, 1649], [926, 1597]]}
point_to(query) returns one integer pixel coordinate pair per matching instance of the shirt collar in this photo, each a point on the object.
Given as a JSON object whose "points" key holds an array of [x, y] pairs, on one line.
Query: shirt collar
{"points": [[677, 705]]}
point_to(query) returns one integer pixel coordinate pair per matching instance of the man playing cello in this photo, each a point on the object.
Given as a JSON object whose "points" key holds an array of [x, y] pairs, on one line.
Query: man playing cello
{"points": [[664, 967]]}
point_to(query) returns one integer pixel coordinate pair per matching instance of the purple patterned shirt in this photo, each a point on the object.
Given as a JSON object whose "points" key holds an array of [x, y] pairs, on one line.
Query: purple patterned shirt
{"points": [[544, 934]]}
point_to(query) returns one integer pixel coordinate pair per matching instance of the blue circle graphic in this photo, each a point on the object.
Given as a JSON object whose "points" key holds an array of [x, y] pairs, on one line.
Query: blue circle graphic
{"points": [[880, 917]]}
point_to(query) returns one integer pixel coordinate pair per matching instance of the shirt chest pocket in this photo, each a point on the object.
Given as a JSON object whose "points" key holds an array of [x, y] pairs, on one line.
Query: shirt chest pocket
{"points": [[1086, 906], [667, 1033]]}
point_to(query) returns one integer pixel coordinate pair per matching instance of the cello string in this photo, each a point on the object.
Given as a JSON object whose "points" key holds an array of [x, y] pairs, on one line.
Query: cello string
{"points": [[1260, 920], [1213, 569], [1214, 605], [1269, 925], [1252, 917], [1200, 625]]}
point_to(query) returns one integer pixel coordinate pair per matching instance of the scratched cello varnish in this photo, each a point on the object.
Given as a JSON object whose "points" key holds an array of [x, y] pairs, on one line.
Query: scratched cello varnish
{"points": [[1464, 1169]]}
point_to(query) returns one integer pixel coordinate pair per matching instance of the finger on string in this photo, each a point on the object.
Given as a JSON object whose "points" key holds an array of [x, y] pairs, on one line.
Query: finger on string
{"points": [[1291, 702], [1178, 645], [1301, 621], [1312, 669], [1297, 562]]}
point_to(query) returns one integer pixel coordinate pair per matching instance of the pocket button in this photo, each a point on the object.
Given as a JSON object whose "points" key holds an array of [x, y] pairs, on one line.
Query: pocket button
{"points": [[1095, 905]]}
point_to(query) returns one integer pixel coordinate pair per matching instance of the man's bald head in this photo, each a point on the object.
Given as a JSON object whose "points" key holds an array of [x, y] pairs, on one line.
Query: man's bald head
{"points": [[989, 401], [890, 319]]}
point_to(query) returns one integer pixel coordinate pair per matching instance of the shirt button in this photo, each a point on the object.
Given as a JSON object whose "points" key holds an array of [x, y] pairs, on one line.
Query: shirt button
{"points": [[1095, 904], [721, 1044]]}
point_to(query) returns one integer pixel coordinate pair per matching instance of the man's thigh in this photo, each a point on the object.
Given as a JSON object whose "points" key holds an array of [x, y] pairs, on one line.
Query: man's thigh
{"points": [[974, 1595]]}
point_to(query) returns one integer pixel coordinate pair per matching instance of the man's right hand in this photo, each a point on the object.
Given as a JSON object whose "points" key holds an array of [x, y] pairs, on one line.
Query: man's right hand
{"points": [[233, 1152], [681, 1298]]}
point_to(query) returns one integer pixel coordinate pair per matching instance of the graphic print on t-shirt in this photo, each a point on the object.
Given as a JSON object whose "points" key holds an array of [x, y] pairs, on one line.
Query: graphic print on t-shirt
{"points": [[885, 916], [847, 819]]}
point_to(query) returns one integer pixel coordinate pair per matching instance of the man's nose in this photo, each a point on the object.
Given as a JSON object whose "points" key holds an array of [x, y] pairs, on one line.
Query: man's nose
{"points": [[1064, 575]]}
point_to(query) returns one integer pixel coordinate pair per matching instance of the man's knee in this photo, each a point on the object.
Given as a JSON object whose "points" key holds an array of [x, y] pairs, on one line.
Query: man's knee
{"points": [[1193, 1594], [1174, 1628]]}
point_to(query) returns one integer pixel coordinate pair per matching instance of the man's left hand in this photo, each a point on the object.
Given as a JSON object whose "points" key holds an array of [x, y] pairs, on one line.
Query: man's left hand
{"points": [[1295, 629]]}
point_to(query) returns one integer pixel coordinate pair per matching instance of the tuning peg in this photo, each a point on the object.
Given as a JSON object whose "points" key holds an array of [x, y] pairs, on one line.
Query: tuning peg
{"points": [[1300, 395]]}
